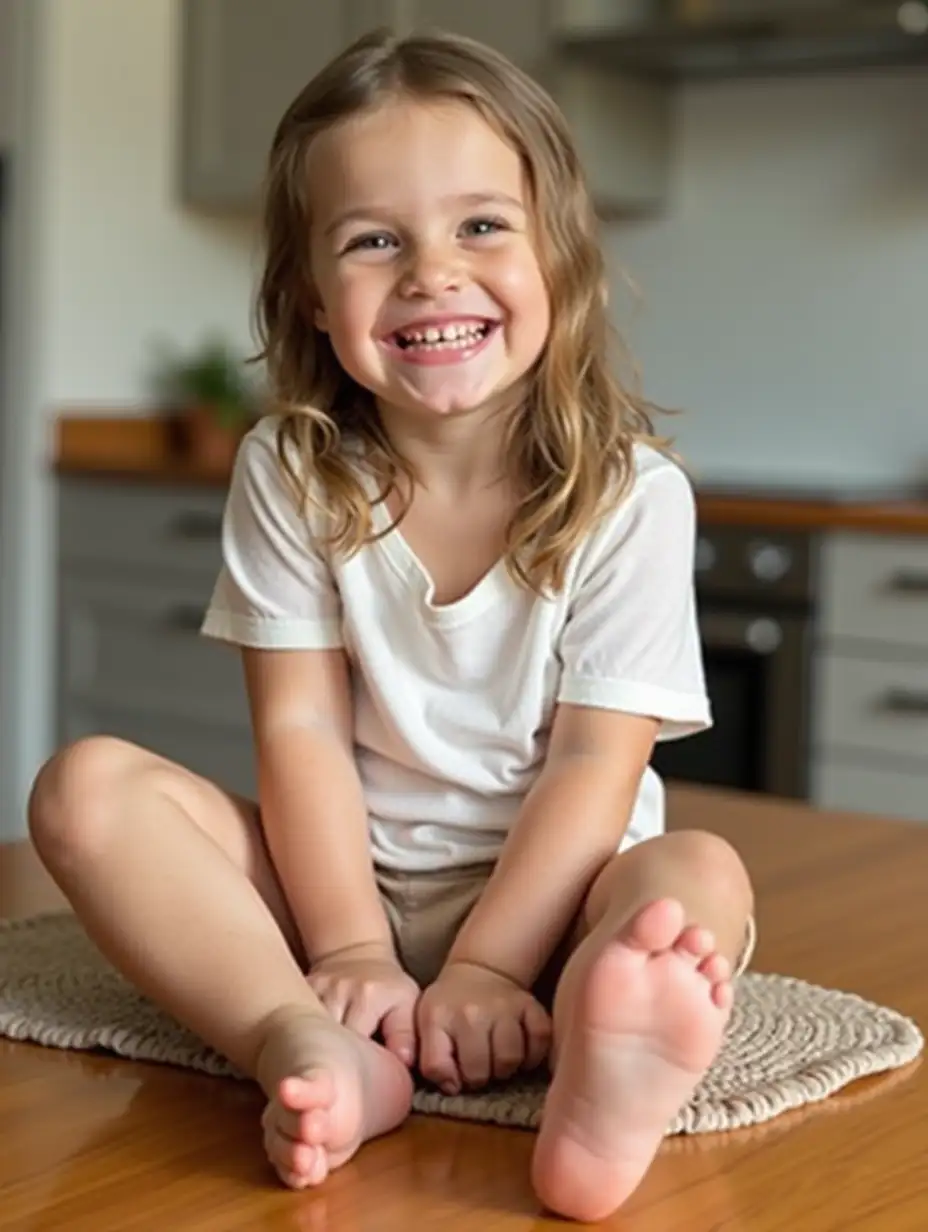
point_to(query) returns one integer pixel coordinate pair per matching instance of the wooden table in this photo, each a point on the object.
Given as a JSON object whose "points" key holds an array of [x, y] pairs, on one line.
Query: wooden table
{"points": [[92, 1144]]}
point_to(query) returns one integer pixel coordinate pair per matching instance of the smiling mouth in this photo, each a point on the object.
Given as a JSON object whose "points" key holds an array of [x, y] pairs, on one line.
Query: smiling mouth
{"points": [[455, 336]]}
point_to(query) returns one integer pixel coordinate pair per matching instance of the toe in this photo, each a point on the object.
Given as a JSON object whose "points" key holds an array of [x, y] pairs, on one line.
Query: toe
{"points": [[716, 968], [316, 1126], [310, 1127], [656, 927], [695, 943], [723, 996], [319, 1167], [305, 1092], [292, 1160]]}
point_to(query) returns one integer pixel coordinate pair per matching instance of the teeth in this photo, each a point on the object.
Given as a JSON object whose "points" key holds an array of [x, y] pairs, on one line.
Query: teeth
{"points": [[444, 336]]}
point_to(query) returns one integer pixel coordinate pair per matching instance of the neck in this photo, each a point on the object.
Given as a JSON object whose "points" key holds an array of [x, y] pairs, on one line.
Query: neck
{"points": [[458, 454]]}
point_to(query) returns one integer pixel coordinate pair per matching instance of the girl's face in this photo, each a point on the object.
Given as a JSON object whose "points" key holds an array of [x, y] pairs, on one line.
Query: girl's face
{"points": [[426, 275]]}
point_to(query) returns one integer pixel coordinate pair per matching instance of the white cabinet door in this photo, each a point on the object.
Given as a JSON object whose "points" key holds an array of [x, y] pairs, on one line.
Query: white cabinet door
{"points": [[243, 62]]}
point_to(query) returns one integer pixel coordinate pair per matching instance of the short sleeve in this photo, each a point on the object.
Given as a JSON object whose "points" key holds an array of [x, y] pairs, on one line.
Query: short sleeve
{"points": [[631, 641], [275, 589]]}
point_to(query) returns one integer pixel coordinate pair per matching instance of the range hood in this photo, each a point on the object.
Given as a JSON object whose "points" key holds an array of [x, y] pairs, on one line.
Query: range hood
{"points": [[714, 38]]}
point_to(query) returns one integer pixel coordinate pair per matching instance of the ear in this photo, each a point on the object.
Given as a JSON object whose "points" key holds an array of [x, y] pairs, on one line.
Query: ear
{"points": [[320, 320]]}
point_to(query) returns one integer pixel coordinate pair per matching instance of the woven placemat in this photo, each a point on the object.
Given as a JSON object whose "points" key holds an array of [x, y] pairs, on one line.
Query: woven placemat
{"points": [[788, 1043]]}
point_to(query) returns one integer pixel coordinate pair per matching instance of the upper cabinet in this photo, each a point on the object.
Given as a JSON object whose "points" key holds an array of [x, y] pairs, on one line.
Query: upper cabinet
{"points": [[244, 62]]}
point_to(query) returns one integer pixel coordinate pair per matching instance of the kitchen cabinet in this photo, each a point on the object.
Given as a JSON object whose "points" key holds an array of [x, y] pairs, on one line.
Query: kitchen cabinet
{"points": [[138, 561], [244, 62], [870, 717], [137, 565]]}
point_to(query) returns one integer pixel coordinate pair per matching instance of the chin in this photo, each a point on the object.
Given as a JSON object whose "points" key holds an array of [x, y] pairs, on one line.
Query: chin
{"points": [[448, 410], [436, 407]]}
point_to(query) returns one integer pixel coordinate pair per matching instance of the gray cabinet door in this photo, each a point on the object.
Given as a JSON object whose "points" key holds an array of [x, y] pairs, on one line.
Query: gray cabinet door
{"points": [[517, 28], [138, 647], [243, 62], [224, 755]]}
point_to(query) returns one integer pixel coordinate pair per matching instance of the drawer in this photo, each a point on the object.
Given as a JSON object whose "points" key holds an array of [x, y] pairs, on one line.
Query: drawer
{"points": [[858, 787], [139, 647], [874, 706], [875, 588], [222, 755], [131, 526]]}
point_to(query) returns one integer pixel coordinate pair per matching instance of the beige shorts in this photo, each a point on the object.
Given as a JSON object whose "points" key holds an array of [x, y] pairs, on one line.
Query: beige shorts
{"points": [[426, 911]]}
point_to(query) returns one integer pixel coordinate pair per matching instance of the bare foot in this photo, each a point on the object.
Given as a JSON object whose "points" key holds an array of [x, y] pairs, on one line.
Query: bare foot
{"points": [[646, 1024], [329, 1089]]}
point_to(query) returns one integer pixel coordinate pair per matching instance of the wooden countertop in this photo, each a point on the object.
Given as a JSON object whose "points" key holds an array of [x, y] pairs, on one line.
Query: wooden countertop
{"points": [[138, 448], [841, 903]]}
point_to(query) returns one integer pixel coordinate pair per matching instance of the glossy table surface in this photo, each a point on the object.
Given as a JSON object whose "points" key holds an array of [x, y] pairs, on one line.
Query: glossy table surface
{"points": [[93, 1144]]}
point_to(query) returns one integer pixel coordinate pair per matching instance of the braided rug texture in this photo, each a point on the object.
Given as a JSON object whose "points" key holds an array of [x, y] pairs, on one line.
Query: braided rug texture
{"points": [[788, 1042]]}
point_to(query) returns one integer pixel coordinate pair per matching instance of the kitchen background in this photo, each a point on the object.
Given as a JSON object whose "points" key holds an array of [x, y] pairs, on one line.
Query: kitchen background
{"points": [[776, 230]]}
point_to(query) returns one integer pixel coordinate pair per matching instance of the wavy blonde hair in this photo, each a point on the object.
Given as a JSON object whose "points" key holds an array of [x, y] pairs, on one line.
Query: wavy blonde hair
{"points": [[569, 445]]}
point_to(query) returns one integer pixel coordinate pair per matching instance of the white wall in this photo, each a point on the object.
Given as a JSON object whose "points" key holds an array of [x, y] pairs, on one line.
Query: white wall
{"points": [[99, 262], [786, 292], [119, 243], [8, 41]]}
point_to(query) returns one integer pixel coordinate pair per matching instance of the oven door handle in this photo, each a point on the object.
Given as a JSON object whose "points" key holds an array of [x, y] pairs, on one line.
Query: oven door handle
{"points": [[759, 635]]}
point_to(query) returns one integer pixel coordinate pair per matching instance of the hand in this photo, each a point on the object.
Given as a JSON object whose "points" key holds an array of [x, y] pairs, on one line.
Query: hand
{"points": [[475, 1025], [366, 989]]}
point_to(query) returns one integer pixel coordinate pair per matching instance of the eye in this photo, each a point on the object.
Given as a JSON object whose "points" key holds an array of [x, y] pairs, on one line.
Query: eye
{"points": [[374, 241], [478, 227]]}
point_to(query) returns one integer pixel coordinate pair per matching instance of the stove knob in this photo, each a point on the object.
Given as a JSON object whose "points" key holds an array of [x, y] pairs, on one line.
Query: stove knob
{"points": [[912, 16], [706, 555], [764, 636], [769, 562]]}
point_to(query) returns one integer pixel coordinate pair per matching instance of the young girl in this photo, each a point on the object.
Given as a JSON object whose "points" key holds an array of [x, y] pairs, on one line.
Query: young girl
{"points": [[460, 570]]}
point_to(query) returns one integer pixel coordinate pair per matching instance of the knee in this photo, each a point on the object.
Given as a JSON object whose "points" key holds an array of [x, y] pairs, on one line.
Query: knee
{"points": [[73, 792], [715, 864]]}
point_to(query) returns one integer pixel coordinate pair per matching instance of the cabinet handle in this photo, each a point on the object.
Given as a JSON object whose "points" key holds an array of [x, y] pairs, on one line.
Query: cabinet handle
{"points": [[184, 618], [909, 582], [904, 701], [195, 524]]}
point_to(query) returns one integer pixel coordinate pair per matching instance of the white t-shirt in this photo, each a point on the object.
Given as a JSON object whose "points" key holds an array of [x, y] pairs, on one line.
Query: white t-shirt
{"points": [[453, 704]]}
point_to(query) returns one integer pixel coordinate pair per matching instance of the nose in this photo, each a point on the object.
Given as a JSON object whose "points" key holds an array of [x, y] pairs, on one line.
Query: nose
{"points": [[431, 270]]}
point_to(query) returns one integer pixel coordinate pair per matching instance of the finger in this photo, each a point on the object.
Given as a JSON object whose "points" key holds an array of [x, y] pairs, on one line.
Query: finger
{"points": [[507, 1047], [472, 1046], [333, 994], [398, 1028], [537, 1026], [436, 1060], [364, 1011]]}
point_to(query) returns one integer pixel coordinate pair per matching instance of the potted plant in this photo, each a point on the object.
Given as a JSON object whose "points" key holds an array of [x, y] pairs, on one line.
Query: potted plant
{"points": [[212, 401]]}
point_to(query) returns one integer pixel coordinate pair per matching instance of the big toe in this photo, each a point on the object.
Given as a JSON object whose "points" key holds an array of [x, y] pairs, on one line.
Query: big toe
{"points": [[305, 1092], [655, 927]]}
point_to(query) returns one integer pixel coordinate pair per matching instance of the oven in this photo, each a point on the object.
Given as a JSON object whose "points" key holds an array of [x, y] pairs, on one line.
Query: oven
{"points": [[755, 592]]}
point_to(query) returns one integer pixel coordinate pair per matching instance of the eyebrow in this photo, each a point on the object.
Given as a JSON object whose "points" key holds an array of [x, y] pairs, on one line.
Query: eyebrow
{"points": [[367, 213]]}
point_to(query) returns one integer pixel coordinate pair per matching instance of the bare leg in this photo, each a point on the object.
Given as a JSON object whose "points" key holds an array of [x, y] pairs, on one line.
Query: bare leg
{"points": [[639, 1015], [171, 879]]}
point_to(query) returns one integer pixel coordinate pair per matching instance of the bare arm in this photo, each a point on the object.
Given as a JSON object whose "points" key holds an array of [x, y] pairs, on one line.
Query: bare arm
{"points": [[571, 823], [312, 805]]}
